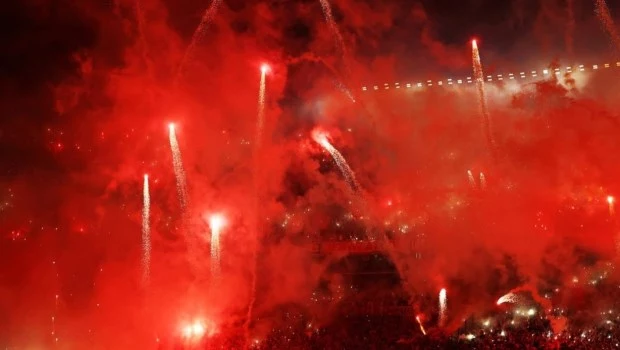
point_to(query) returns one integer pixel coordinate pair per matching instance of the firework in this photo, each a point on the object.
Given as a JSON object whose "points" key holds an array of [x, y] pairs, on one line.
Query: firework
{"points": [[179, 171], [146, 231], [417, 318], [482, 99], [570, 27], [259, 135], [320, 138], [199, 33], [261, 104], [611, 204], [216, 223], [483, 181], [470, 178], [443, 306], [510, 298], [607, 21], [329, 19]]}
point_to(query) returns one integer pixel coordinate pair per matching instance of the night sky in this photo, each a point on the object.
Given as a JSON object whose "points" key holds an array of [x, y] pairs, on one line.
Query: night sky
{"points": [[87, 90]]}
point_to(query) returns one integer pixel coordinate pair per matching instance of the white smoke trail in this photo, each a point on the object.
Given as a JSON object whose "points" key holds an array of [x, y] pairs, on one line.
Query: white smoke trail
{"points": [[146, 232], [179, 171]]}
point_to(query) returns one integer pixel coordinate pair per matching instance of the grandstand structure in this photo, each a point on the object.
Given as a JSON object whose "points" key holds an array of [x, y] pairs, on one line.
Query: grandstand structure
{"points": [[520, 76]]}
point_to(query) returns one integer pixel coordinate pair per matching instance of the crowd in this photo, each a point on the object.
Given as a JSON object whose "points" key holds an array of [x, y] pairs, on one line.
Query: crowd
{"points": [[393, 332]]}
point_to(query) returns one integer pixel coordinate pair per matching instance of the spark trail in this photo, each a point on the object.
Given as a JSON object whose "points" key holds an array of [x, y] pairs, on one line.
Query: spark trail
{"points": [[199, 33], [216, 223], [342, 164], [179, 171], [510, 298], [602, 11], [471, 180], [443, 306], [146, 231], [329, 19], [483, 181], [260, 121], [570, 27], [417, 318], [482, 98]]}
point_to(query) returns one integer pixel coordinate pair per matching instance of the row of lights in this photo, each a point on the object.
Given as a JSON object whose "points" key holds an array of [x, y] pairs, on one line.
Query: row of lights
{"points": [[489, 78]]}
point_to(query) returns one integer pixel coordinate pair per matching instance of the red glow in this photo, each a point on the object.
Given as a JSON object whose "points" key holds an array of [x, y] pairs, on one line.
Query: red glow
{"points": [[217, 222], [264, 68], [320, 137]]}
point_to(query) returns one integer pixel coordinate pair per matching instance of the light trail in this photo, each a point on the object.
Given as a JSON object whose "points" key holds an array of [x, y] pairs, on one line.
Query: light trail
{"points": [[260, 120], [199, 33], [146, 232], [471, 180], [611, 204], [257, 149], [443, 307], [348, 174], [483, 181], [179, 171], [607, 21], [216, 223], [329, 19], [422, 329], [482, 98], [510, 298]]}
